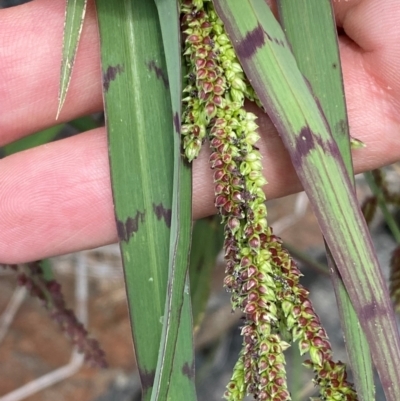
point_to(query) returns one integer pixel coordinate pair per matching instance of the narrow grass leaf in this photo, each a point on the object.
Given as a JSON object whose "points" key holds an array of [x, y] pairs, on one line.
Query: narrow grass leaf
{"points": [[182, 383], [175, 369], [271, 68], [311, 30], [73, 23], [50, 134], [83, 124], [138, 117], [31, 141], [207, 241]]}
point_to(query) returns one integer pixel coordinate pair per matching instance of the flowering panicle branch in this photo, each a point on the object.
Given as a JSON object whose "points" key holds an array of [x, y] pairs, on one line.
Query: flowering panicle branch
{"points": [[383, 193], [262, 277], [49, 292], [395, 278]]}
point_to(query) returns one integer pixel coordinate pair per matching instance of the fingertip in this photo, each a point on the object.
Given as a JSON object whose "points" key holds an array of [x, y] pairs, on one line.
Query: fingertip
{"points": [[56, 199]]}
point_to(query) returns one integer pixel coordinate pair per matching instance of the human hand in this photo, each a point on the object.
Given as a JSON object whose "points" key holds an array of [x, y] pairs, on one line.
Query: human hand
{"points": [[57, 198]]}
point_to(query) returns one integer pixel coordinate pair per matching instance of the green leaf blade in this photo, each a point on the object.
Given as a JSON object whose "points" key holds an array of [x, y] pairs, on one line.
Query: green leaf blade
{"points": [[175, 369], [31, 141], [314, 45], [207, 243], [138, 108], [74, 17]]}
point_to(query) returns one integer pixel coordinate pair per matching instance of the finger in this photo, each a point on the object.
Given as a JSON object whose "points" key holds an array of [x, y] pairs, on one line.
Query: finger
{"points": [[370, 55], [44, 192], [31, 72], [57, 198], [369, 119], [30, 60], [373, 27]]}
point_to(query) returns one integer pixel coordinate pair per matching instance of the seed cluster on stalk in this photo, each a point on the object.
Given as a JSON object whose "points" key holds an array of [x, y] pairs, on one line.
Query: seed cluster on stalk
{"points": [[369, 209], [394, 278], [260, 274], [31, 276]]}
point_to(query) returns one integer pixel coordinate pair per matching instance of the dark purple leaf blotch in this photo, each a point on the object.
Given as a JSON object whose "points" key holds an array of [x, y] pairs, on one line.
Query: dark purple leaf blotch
{"points": [[188, 370], [110, 74], [279, 42], [163, 213], [147, 378], [131, 226], [254, 40], [177, 123], [341, 127], [371, 311], [160, 74], [305, 142]]}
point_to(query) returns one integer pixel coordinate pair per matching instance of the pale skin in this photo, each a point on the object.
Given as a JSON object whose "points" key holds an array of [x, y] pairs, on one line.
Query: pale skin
{"points": [[57, 198]]}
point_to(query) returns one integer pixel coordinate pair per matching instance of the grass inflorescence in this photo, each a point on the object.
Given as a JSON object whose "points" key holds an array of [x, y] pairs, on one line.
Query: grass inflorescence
{"points": [[260, 274]]}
